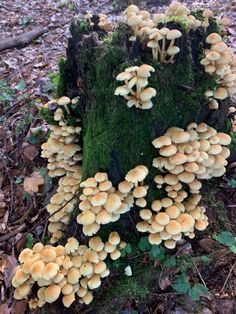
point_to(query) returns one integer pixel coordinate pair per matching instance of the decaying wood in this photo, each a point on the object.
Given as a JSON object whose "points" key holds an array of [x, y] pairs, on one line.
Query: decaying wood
{"points": [[22, 39]]}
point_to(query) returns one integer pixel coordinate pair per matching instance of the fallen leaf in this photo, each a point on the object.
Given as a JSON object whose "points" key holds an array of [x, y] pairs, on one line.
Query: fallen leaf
{"points": [[19, 307], [4, 309], [30, 152], [7, 269], [31, 184]]}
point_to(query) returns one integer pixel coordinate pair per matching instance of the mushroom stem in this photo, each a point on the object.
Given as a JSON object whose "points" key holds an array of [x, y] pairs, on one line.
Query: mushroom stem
{"points": [[163, 49], [158, 50], [138, 91], [67, 109], [171, 43]]}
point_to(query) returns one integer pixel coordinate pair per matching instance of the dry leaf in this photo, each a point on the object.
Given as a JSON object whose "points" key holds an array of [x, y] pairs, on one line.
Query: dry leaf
{"points": [[30, 152], [7, 269], [31, 184]]}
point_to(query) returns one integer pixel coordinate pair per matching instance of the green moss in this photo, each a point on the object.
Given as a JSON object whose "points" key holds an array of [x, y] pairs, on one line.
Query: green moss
{"points": [[47, 116], [61, 86], [180, 88]]}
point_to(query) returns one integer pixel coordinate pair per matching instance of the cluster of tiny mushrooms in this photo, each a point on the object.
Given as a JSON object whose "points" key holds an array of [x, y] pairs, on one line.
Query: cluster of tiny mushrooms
{"points": [[184, 158]]}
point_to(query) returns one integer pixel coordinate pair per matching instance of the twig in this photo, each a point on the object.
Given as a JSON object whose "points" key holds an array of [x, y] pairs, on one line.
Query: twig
{"points": [[227, 278], [22, 39], [13, 233], [199, 274]]}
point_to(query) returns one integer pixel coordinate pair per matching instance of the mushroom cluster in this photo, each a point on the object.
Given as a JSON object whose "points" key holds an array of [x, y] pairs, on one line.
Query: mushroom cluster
{"points": [[220, 62], [69, 270], [100, 203], [206, 15], [178, 9], [104, 23], [61, 149], [63, 153], [135, 89], [188, 156], [160, 51], [63, 203], [137, 20]]}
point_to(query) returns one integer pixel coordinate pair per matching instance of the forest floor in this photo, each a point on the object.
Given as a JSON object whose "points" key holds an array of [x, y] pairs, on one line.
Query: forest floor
{"points": [[28, 79]]}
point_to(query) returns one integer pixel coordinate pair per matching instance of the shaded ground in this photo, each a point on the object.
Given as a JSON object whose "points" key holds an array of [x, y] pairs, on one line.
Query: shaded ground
{"points": [[28, 79]]}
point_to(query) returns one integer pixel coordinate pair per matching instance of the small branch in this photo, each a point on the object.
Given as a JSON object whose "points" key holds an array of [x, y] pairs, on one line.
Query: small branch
{"points": [[199, 274], [227, 278], [9, 235], [22, 39]]}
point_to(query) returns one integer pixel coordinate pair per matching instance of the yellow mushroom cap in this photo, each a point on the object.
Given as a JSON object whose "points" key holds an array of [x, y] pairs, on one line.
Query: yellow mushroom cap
{"points": [[144, 70], [145, 214], [225, 139], [161, 141], [201, 225], [86, 269], [125, 186], [52, 293], [68, 299], [221, 93], [81, 292], [67, 289], [38, 247], [213, 55], [141, 202], [172, 211], [173, 227], [100, 176], [135, 175], [24, 289], [186, 221], [173, 34], [37, 270], [142, 226], [94, 282], [103, 217], [99, 267], [50, 270], [170, 244], [154, 238], [114, 238], [72, 245], [139, 192], [25, 254], [186, 177], [113, 202], [178, 159], [99, 199], [213, 38], [85, 218], [162, 218], [62, 101], [91, 229], [166, 202], [168, 151], [88, 298], [105, 186], [115, 254], [73, 275], [48, 254], [96, 244]]}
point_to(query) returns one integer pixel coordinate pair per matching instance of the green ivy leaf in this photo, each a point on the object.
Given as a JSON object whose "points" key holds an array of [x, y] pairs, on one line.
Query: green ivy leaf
{"points": [[29, 241], [226, 238], [128, 248], [157, 252], [144, 244], [181, 284], [169, 262], [197, 291], [21, 85], [233, 249]]}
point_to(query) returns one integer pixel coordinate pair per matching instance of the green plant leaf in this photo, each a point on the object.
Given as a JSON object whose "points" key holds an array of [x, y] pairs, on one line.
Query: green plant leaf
{"points": [[226, 238], [233, 249], [156, 252], [29, 241], [197, 291], [169, 262], [181, 284], [205, 259], [21, 85], [128, 248], [144, 244]]}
